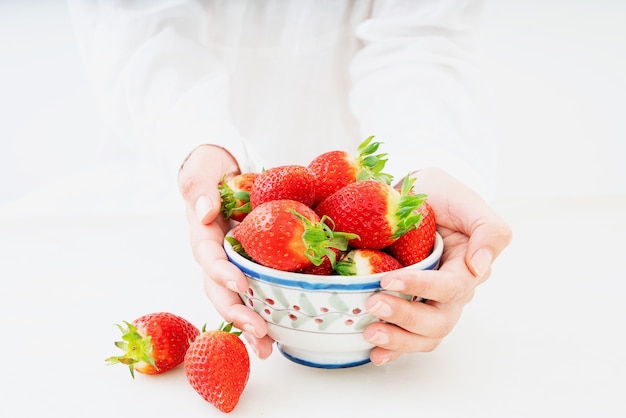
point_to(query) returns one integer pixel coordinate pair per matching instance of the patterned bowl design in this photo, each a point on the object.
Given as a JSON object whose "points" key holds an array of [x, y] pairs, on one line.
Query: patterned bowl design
{"points": [[317, 320], [330, 311]]}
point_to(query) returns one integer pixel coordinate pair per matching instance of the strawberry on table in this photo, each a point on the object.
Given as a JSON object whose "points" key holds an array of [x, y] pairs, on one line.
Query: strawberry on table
{"points": [[375, 211], [154, 343], [235, 195], [294, 182], [217, 366], [288, 235], [362, 261], [335, 169], [418, 243]]}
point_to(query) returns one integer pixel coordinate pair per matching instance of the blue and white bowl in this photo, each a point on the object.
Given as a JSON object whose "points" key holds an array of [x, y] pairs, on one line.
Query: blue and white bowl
{"points": [[317, 321]]}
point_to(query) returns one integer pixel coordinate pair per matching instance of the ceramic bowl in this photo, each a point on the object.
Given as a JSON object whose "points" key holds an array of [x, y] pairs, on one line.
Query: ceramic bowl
{"points": [[317, 321]]}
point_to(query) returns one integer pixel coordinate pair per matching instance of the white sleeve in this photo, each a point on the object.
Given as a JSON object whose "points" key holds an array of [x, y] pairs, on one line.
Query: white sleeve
{"points": [[158, 83], [418, 88]]}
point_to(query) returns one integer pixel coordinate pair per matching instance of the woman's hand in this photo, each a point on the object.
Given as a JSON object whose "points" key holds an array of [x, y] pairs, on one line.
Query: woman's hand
{"points": [[198, 182], [473, 235]]}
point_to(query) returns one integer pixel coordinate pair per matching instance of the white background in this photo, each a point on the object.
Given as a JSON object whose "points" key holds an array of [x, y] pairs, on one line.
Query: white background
{"points": [[558, 71], [542, 337]]}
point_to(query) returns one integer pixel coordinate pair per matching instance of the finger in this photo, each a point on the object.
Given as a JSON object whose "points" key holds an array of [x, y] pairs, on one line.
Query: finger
{"points": [[207, 248], [199, 177], [262, 347], [452, 281], [229, 305], [461, 209], [447, 291], [209, 253], [487, 240], [430, 319], [391, 341], [380, 356], [488, 233]]}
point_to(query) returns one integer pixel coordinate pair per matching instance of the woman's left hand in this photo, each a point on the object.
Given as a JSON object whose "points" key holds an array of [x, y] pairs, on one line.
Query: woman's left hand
{"points": [[473, 235]]}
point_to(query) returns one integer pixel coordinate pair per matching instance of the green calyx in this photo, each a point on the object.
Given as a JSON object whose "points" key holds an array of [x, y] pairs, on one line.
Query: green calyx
{"points": [[407, 214], [320, 239], [230, 199], [237, 247], [136, 348], [371, 165], [225, 327], [346, 266]]}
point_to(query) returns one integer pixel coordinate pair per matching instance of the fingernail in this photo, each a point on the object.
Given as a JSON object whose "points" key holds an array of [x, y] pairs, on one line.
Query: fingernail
{"points": [[203, 206], [382, 361], [251, 344], [381, 309], [233, 286], [481, 260], [394, 284], [379, 338], [249, 328]]}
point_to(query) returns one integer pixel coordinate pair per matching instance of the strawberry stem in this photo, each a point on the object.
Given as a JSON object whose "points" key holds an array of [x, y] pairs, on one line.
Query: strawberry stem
{"points": [[237, 247], [347, 266], [230, 198], [372, 165], [320, 239], [407, 214], [227, 327], [136, 348]]}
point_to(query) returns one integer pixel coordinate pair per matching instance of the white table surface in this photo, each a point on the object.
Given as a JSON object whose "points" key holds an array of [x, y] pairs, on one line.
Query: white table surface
{"points": [[543, 337]]}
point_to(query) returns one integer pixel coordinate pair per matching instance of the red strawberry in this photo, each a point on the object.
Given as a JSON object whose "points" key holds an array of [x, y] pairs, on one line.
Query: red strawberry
{"points": [[217, 366], [362, 261], [235, 195], [335, 169], [293, 182], [416, 244], [287, 235], [375, 211], [154, 343]]}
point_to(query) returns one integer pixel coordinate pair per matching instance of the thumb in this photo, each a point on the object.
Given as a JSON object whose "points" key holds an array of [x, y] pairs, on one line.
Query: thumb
{"points": [[461, 209], [207, 207], [486, 242], [199, 178]]}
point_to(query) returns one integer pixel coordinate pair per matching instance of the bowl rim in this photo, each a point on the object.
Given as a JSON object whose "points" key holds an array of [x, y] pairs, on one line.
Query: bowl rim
{"points": [[318, 282]]}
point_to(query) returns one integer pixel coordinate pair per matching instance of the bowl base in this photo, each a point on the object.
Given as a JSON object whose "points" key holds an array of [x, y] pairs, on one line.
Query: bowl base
{"points": [[329, 360]]}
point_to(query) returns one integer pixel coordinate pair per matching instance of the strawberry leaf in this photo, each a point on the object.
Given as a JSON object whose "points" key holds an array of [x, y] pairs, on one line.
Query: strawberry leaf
{"points": [[407, 214], [230, 198], [228, 327], [136, 348], [319, 238], [237, 247], [372, 165]]}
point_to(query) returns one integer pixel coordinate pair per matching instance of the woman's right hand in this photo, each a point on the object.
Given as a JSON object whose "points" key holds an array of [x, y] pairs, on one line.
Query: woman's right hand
{"points": [[198, 182]]}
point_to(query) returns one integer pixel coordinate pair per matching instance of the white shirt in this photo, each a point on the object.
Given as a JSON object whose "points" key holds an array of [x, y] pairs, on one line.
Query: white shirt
{"points": [[278, 82]]}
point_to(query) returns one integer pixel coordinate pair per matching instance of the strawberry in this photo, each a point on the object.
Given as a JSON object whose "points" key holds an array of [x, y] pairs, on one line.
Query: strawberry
{"points": [[235, 195], [375, 211], [293, 182], [416, 244], [154, 343], [363, 261], [217, 366], [288, 235], [335, 169]]}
